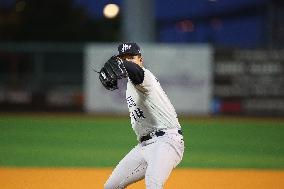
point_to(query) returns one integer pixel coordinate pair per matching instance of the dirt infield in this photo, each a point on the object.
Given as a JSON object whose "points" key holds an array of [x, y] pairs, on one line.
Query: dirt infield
{"points": [[63, 178]]}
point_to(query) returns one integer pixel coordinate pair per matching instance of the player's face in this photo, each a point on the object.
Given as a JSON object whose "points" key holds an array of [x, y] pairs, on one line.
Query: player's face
{"points": [[137, 59]]}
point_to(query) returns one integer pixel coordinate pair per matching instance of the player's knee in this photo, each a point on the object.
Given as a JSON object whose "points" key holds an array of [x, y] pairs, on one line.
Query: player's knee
{"points": [[108, 186], [152, 183], [111, 185]]}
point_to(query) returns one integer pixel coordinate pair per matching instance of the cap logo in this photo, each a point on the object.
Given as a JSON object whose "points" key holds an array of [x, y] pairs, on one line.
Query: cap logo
{"points": [[125, 47]]}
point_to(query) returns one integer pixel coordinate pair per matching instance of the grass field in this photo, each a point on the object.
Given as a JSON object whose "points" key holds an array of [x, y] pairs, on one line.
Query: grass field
{"points": [[74, 140]]}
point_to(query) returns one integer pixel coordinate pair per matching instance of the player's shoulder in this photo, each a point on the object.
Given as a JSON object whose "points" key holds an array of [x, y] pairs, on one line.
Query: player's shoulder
{"points": [[148, 82], [148, 73], [150, 76]]}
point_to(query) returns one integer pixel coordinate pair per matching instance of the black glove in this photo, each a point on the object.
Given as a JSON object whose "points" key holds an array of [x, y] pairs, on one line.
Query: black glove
{"points": [[112, 71]]}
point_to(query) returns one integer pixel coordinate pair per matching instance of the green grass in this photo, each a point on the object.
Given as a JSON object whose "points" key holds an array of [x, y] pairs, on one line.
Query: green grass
{"points": [[82, 141]]}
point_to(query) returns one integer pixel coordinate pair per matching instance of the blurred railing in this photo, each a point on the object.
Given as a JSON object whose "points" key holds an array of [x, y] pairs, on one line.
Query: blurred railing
{"points": [[37, 76]]}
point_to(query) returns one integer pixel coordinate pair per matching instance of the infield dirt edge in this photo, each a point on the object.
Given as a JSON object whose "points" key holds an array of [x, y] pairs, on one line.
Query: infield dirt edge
{"points": [[93, 178]]}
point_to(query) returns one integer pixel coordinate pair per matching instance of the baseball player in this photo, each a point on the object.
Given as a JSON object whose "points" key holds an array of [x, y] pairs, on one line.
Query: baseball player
{"points": [[153, 118]]}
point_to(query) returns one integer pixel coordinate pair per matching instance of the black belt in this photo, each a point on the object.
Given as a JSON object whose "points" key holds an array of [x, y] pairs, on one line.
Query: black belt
{"points": [[157, 133]]}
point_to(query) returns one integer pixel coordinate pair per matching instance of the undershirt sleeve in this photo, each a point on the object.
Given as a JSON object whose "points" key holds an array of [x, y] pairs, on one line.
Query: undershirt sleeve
{"points": [[135, 72]]}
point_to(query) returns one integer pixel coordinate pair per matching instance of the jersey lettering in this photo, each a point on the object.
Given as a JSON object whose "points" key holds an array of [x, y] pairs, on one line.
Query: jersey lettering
{"points": [[133, 116], [137, 114], [130, 102], [149, 107]]}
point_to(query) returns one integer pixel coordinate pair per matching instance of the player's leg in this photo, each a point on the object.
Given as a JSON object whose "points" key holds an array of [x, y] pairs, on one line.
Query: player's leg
{"points": [[130, 169], [164, 155]]}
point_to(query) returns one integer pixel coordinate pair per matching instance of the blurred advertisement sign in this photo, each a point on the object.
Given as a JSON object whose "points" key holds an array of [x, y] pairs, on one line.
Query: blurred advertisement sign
{"points": [[184, 72], [16, 97], [249, 82], [55, 100]]}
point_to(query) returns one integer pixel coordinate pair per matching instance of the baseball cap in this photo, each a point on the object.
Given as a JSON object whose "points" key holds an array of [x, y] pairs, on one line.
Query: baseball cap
{"points": [[128, 49]]}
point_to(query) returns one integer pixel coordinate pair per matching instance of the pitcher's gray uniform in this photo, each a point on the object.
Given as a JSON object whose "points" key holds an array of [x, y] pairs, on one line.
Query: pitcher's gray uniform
{"points": [[160, 147]]}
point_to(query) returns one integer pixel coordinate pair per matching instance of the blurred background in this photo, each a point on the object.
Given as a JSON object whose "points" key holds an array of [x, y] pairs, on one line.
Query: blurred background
{"points": [[221, 62], [43, 48]]}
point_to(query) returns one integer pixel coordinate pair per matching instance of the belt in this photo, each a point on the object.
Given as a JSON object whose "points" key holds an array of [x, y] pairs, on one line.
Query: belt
{"points": [[157, 133]]}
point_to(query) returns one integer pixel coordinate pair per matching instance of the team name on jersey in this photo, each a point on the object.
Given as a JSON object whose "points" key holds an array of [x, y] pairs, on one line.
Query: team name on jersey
{"points": [[137, 113]]}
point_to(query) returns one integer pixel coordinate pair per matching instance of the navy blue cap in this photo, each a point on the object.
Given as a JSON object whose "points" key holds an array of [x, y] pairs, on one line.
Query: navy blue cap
{"points": [[128, 49]]}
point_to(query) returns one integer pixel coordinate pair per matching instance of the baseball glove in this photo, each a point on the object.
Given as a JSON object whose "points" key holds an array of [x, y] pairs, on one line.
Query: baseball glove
{"points": [[111, 72]]}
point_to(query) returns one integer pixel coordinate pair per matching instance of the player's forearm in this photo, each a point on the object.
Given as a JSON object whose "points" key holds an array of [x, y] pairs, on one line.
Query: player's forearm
{"points": [[135, 72]]}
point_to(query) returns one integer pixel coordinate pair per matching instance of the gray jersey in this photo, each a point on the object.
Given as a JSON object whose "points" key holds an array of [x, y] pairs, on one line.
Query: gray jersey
{"points": [[149, 107]]}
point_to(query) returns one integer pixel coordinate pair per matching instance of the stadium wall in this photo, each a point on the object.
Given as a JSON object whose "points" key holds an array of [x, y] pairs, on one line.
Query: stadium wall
{"points": [[184, 72]]}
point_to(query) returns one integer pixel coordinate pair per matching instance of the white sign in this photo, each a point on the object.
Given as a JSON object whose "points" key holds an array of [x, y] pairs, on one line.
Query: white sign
{"points": [[184, 72]]}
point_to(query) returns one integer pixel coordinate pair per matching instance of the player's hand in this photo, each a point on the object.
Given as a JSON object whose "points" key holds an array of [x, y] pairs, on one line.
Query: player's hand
{"points": [[112, 71]]}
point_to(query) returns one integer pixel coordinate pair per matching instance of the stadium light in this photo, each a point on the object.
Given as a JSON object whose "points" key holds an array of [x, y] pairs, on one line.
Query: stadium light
{"points": [[111, 10]]}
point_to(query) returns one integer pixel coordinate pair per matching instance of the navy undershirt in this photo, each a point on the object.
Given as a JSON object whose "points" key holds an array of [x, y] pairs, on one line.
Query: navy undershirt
{"points": [[135, 72]]}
